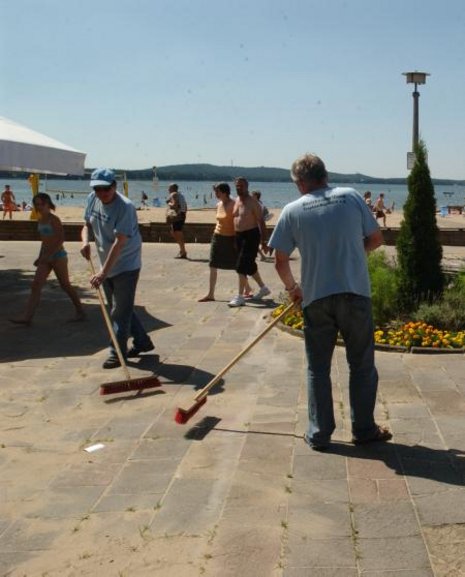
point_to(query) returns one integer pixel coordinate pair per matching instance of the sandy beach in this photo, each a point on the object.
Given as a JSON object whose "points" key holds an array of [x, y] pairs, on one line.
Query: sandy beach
{"points": [[207, 215]]}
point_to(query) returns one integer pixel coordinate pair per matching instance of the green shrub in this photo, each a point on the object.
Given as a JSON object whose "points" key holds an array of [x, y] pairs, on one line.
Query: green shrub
{"points": [[384, 288], [448, 312], [418, 248]]}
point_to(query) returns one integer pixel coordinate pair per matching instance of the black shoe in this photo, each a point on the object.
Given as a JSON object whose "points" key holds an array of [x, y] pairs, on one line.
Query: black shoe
{"points": [[316, 445], [135, 351], [111, 363]]}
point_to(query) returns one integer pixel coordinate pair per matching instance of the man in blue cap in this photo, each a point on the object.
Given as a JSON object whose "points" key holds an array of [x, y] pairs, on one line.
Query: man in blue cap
{"points": [[113, 220]]}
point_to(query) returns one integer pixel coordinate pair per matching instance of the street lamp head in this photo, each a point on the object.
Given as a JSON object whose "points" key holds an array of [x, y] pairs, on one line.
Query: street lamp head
{"points": [[416, 77]]}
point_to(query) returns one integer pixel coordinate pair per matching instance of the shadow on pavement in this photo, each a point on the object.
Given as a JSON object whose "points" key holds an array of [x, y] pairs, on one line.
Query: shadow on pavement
{"points": [[50, 336], [177, 374], [201, 429], [441, 465]]}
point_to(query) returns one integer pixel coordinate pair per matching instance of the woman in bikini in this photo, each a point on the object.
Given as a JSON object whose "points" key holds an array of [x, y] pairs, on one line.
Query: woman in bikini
{"points": [[52, 256]]}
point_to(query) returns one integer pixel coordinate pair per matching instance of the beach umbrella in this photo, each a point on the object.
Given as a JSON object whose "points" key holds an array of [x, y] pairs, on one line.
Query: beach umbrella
{"points": [[23, 149]]}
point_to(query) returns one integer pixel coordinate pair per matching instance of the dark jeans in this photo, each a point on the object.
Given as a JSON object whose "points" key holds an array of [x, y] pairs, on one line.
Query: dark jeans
{"points": [[120, 291], [351, 315]]}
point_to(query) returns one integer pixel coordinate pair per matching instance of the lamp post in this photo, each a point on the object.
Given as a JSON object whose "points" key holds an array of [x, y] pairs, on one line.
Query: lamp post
{"points": [[415, 78]]}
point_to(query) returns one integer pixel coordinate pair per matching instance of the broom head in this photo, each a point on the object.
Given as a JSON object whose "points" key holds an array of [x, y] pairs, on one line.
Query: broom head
{"points": [[183, 415], [129, 385]]}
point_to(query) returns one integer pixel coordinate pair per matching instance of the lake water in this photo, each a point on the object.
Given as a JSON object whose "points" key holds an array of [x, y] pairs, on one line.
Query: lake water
{"points": [[199, 193]]}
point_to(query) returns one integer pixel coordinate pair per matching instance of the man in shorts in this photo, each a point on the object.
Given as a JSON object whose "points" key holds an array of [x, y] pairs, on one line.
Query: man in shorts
{"points": [[177, 202], [250, 232]]}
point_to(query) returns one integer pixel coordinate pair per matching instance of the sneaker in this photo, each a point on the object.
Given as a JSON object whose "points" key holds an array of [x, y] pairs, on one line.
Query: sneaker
{"points": [[237, 301], [111, 363], [135, 351], [263, 292], [316, 445]]}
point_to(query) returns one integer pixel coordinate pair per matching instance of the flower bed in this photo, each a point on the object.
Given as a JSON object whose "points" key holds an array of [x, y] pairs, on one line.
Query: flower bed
{"points": [[420, 334], [413, 336]]}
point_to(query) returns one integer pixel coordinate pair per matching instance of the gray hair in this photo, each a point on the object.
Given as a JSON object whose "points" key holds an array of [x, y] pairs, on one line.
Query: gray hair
{"points": [[309, 168]]}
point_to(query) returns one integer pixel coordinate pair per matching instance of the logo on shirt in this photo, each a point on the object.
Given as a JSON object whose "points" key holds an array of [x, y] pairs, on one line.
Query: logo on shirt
{"points": [[326, 201]]}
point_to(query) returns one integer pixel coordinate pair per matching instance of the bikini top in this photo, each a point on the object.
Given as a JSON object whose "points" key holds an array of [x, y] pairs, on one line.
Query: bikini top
{"points": [[45, 229]]}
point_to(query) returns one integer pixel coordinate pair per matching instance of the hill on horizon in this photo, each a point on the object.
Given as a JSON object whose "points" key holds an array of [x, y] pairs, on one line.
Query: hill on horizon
{"points": [[214, 173]]}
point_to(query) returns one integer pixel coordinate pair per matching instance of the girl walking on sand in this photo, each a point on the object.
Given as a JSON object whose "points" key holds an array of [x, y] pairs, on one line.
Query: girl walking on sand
{"points": [[52, 256]]}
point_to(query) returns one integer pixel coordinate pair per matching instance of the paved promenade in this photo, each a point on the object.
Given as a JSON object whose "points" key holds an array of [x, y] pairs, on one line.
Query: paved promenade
{"points": [[235, 492]]}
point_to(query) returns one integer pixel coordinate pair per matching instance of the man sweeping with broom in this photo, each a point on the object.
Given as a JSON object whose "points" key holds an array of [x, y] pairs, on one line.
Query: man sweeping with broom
{"points": [[333, 229], [113, 220]]}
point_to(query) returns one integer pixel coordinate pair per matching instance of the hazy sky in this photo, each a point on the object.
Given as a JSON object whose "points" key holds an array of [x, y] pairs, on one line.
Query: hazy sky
{"points": [[136, 83]]}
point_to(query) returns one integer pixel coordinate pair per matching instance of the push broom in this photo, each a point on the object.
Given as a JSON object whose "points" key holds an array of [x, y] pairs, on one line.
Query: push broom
{"points": [[183, 415], [128, 384]]}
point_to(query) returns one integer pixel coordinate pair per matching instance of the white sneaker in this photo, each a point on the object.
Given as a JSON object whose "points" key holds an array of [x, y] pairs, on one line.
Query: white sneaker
{"points": [[237, 301], [263, 292]]}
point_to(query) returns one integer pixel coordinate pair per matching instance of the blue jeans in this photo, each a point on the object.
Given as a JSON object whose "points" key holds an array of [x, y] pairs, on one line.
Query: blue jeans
{"points": [[120, 291], [323, 319]]}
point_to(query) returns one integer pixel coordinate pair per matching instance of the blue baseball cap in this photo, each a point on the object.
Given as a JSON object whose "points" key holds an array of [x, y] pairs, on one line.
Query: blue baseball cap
{"points": [[102, 177]]}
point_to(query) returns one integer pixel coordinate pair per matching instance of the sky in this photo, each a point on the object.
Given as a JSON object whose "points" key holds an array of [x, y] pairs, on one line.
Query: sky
{"points": [[137, 83]]}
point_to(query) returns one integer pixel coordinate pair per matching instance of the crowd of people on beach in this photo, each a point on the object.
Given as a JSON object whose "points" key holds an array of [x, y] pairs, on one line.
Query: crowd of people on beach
{"points": [[333, 229]]}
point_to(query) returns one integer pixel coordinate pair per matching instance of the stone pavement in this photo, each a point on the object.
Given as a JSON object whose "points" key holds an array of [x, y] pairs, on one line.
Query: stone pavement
{"points": [[235, 492]]}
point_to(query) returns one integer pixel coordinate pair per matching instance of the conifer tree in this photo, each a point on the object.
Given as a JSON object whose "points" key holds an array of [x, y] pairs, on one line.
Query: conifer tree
{"points": [[419, 251]]}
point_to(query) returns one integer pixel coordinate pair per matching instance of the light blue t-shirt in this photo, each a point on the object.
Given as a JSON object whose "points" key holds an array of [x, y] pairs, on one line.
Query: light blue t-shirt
{"points": [[328, 227], [107, 220]]}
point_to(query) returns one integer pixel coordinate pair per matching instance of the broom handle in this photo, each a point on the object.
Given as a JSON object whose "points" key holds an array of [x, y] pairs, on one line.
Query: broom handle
{"points": [[204, 392], [110, 328]]}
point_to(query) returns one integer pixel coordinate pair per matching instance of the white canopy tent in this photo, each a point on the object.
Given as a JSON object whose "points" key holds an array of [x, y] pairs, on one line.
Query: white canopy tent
{"points": [[23, 149]]}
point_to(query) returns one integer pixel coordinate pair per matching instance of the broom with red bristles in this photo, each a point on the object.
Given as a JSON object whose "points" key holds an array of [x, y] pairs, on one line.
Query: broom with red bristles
{"points": [[128, 384], [183, 415]]}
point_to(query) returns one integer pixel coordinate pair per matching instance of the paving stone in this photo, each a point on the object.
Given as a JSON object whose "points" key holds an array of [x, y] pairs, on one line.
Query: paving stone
{"points": [[319, 467], [392, 490], [86, 475], [127, 503], [318, 520], [373, 469], [320, 553], [139, 477], [393, 554], [31, 535], [11, 561], [408, 410], [320, 572], [326, 491], [414, 573], [245, 551], [191, 506], [385, 520], [66, 502], [160, 449], [117, 452], [124, 428], [445, 402], [442, 509]]}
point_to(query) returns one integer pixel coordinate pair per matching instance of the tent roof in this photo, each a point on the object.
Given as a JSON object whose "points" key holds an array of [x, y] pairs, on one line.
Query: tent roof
{"points": [[24, 149]]}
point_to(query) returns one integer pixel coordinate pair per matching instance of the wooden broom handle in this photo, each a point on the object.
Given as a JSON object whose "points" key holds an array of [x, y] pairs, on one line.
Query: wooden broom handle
{"points": [[204, 392], [110, 328]]}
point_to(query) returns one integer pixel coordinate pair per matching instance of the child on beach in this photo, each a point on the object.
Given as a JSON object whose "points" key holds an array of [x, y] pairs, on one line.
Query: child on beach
{"points": [[52, 256], [8, 202]]}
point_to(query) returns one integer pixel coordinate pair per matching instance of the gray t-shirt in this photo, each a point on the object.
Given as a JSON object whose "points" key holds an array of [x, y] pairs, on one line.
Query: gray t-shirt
{"points": [[108, 220], [328, 227]]}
